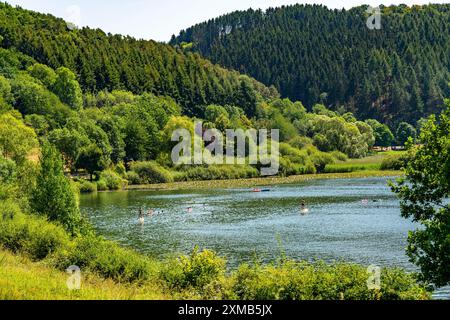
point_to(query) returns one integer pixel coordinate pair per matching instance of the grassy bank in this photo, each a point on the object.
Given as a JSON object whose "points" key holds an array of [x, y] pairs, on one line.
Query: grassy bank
{"points": [[269, 181], [379, 161], [201, 276], [22, 279]]}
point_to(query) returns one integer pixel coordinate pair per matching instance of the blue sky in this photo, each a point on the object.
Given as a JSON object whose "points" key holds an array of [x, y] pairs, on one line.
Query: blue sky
{"points": [[159, 19]]}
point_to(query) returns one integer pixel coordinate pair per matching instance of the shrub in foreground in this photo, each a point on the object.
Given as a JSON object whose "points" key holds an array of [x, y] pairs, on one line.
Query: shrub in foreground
{"points": [[104, 258], [291, 280], [28, 234], [197, 270]]}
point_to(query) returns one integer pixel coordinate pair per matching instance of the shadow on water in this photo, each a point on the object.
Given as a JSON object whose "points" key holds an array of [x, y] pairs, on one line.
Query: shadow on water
{"points": [[356, 220]]}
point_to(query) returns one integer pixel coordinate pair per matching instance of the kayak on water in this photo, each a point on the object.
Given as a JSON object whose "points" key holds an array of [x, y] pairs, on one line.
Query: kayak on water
{"points": [[260, 190]]}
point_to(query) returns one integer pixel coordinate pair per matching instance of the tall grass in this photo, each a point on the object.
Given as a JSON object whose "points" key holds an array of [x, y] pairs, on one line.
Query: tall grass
{"points": [[290, 280], [351, 167], [22, 279], [379, 161], [217, 172]]}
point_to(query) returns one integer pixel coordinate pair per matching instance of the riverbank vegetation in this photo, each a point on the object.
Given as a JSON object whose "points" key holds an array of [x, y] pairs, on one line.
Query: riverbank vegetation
{"points": [[267, 181], [392, 160]]}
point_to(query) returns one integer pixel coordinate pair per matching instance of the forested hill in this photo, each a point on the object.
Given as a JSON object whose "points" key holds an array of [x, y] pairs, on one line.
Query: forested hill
{"points": [[105, 61], [314, 54]]}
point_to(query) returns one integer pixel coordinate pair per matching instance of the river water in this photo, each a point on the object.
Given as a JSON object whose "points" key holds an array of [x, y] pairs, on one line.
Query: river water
{"points": [[355, 220]]}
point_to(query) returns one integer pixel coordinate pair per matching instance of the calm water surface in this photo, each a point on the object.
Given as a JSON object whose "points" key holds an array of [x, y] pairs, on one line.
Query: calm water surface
{"points": [[355, 220]]}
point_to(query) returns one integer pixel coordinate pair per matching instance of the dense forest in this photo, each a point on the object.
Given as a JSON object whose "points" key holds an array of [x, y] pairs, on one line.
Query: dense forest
{"points": [[314, 54], [105, 61], [100, 132]]}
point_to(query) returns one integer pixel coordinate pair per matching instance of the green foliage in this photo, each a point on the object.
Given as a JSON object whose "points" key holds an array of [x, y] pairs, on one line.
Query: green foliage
{"points": [[301, 142], [202, 273], [105, 258], [8, 170], [292, 111], [16, 139], [120, 169], [141, 135], [287, 129], [213, 112], [70, 143], [339, 156], [321, 160], [43, 73], [114, 62], [27, 234], [395, 162], [31, 97], [133, 178], [392, 160], [288, 168], [216, 172], [294, 161], [39, 123], [336, 134], [66, 87], [353, 167], [6, 96], [404, 132], [119, 126], [112, 180], [92, 159], [383, 135], [289, 280], [53, 195], [197, 270], [105, 99], [150, 172], [423, 194], [86, 186], [158, 108], [218, 116], [320, 109], [12, 61], [102, 185]]}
